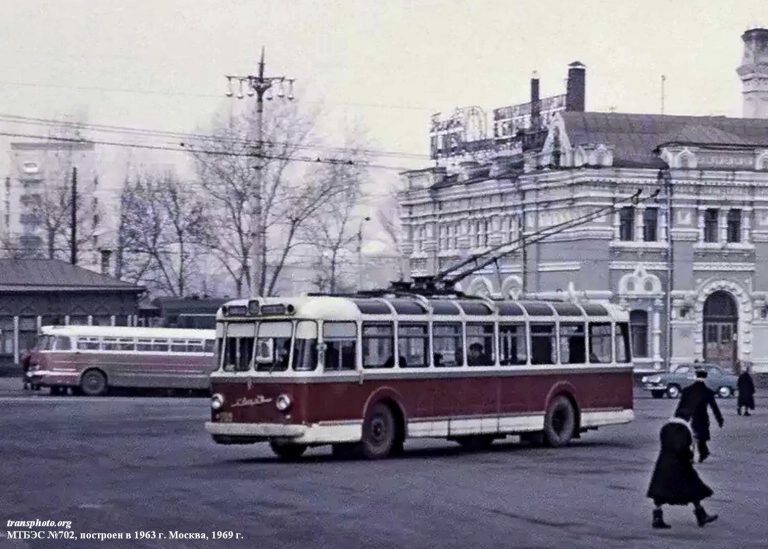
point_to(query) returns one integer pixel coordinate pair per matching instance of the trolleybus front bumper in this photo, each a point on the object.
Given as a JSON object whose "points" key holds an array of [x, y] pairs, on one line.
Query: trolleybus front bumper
{"points": [[316, 433]]}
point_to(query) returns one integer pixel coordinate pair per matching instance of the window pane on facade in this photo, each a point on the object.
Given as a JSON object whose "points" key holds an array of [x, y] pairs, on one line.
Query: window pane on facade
{"points": [[627, 223], [638, 321], [650, 224], [734, 225], [710, 225]]}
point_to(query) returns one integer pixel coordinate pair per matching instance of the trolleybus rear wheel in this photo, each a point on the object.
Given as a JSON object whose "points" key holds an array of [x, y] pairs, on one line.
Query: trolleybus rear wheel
{"points": [[287, 451], [93, 383], [559, 422], [378, 432]]}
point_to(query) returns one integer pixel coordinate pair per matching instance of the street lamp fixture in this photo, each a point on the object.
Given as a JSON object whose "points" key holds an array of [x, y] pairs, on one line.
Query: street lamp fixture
{"points": [[260, 86]]}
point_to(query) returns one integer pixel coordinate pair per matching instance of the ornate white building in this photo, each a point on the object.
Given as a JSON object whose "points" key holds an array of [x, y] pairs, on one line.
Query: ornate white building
{"points": [[714, 240]]}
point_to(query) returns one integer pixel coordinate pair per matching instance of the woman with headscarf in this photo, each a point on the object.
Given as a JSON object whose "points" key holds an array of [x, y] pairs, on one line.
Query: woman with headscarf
{"points": [[674, 480]]}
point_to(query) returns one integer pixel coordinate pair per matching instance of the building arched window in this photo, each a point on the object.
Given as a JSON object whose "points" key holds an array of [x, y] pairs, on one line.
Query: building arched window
{"points": [[638, 323]]}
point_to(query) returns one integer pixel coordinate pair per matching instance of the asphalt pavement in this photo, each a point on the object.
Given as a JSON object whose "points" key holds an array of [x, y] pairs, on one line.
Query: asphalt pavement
{"points": [[145, 466]]}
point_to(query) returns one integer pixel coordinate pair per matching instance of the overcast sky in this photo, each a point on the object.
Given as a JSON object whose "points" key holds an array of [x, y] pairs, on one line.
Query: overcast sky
{"points": [[386, 64]]}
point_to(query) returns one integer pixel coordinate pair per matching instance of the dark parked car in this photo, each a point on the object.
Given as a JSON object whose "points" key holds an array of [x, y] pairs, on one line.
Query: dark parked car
{"points": [[722, 382]]}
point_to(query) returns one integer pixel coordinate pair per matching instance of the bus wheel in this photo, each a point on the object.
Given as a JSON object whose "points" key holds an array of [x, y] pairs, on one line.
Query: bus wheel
{"points": [[287, 451], [93, 383], [475, 443], [559, 422], [378, 432]]}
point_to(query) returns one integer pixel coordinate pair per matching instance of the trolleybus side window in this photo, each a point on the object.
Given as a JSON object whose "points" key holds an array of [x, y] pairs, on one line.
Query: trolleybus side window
{"points": [[480, 347], [447, 346], [273, 346], [305, 347], [210, 346], [413, 344], [543, 343], [178, 346], [622, 342], [512, 344], [340, 340], [600, 343], [378, 345], [160, 345], [573, 345]]}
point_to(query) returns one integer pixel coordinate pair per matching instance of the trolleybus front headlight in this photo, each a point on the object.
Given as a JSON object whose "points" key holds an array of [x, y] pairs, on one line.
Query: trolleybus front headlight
{"points": [[217, 401], [283, 402]]}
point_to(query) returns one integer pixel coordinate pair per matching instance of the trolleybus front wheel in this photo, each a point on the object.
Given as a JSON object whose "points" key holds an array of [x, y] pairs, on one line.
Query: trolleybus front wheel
{"points": [[379, 432], [287, 451], [559, 422], [93, 383]]}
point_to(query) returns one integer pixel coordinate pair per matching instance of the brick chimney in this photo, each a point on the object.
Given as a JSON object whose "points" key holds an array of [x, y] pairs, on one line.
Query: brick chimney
{"points": [[105, 263], [575, 93], [535, 101]]}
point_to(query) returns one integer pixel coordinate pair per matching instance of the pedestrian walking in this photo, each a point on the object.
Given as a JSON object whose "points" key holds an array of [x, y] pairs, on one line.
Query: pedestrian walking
{"points": [[674, 480], [746, 388], [696, 398]]}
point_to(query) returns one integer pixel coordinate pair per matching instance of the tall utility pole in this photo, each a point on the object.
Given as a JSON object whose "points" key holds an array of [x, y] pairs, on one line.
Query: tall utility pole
{"points": [[261, 86], [360, 253], [73, 231], [664, 177]]}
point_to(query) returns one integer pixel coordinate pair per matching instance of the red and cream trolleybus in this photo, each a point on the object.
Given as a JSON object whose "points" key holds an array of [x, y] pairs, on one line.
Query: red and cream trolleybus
{"points": [[365, 373], [95, 358]]}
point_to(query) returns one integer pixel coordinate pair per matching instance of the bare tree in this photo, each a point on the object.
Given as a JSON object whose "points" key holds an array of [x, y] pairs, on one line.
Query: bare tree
{"points": [[388, 216], [162, 234], [332, 233], [230, 172]]}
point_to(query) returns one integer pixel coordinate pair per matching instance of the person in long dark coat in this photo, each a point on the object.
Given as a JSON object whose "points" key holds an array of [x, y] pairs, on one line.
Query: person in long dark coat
{"points": [[696, 398], [674, 480], [746, 388]]}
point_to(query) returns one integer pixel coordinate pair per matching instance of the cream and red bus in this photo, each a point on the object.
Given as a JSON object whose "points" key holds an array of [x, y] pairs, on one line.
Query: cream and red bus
{"points": [[365, 373], [92, 359]]}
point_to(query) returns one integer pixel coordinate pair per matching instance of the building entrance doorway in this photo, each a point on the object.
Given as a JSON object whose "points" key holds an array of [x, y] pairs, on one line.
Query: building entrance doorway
{"points": [[720, 330]]}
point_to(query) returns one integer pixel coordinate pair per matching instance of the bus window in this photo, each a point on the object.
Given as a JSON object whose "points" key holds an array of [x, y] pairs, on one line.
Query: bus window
{"points": [[237, 354], [412, 345], [126, 345], [305, 347], [209, 346], [378, 345], [512, 344], [446, 344], [273, 346], [480, 347], [88, 344], [110, 344], [178, 346], [63, 343], [194, 346], [340, 340], [573, 346], [622, 342], [600, 343], [543, 344], [144, 345], [160, 345]]}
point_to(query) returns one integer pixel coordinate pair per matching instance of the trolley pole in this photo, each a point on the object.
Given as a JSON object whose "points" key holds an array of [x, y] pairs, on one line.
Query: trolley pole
{"points": [[664, 174], [261, 86]]}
